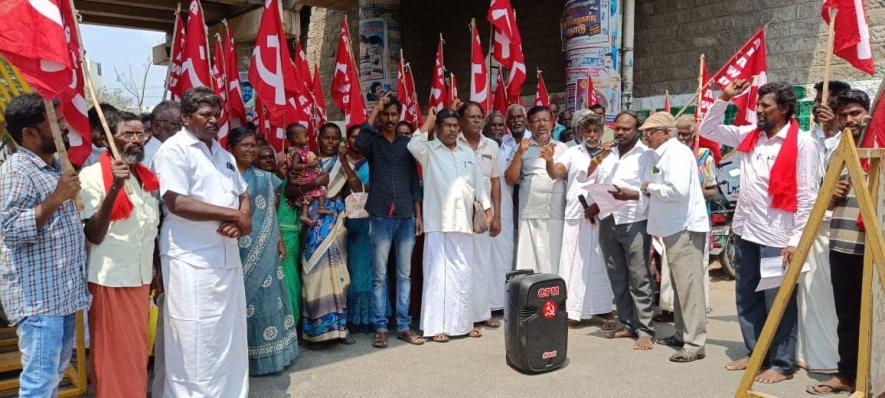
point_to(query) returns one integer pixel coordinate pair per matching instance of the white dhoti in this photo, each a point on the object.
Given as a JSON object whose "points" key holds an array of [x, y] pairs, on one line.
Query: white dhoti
{"points": [[501, 257], [817, 345], [539, 245], [448, 281], [206, 351], [582, 267], [483, 277]]}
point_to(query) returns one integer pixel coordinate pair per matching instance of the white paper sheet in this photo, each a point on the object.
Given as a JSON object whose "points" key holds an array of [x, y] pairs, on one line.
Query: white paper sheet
{"points": [[606, 202], [771, 272]]}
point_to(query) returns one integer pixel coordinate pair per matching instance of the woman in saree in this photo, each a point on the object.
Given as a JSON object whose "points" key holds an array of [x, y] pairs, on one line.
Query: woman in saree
{"points": [[324, 275], [271, 329]]}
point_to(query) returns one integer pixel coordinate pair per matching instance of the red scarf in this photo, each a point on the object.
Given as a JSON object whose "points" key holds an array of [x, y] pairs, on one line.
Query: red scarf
{"points": [[782, 180], [122, 206]]}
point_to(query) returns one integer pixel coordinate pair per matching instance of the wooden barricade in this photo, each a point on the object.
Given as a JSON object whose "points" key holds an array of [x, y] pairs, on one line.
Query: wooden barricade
{"points": [[846, 156]]}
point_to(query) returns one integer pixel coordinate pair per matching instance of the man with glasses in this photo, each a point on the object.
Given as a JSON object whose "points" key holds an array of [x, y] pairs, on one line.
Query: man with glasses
{"points": [[165, 122], [541, 198], [121, 217]]}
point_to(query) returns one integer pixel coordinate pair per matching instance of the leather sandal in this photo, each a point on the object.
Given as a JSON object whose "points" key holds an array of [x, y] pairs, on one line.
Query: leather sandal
{"points": [[380, 340], [684, 356], [410, 337]]}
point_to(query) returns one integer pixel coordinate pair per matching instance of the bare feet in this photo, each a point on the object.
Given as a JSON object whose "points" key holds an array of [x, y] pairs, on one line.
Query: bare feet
{"points": [[738, 364], [835, 385], [771, 376], [643, 343], [620, 333]]}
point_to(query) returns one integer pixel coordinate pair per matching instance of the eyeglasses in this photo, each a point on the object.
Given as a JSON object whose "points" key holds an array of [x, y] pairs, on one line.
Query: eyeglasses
{"points": [[133, 135]]}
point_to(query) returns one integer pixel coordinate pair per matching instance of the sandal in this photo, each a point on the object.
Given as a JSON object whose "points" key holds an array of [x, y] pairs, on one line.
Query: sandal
{"points": [[609, 323], [684, 356], [670, 341], [441, 338], [474, 333], [815, 389], [493, 323], [410, 337], [380, 340], [347, 339]]}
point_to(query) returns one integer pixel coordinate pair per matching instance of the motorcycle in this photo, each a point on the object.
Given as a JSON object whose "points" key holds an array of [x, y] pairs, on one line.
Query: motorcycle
{"points": [[722, 239]]}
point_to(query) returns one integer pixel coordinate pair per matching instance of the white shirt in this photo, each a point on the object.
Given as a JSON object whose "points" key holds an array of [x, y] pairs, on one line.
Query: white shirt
{"points": [[487, 154], [185, 165], [626, 172], [754, 218], [95, 155], [452, 181], [676, 201], [150, 151], [576, 160], [540, 197], [125, 258], [508, 139]]}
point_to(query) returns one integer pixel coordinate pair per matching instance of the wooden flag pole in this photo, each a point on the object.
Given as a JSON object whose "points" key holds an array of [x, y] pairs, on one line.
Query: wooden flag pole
{"points": [[60, 149], [831, 33], [693, 99], [489, 98], [174, 43], [697, 136]]}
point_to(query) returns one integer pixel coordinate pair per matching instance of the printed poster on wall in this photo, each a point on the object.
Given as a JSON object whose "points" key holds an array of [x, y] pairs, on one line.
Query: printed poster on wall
{"points": [[584, 23], [590, 36], [607, 88]]}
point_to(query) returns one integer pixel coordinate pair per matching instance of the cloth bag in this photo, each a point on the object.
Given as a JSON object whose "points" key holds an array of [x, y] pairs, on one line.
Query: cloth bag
{"points": [[355, 204]]}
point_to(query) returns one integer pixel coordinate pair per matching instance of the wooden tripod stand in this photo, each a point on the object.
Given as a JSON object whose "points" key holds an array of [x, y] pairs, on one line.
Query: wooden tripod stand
{"points": [[846, 156]]}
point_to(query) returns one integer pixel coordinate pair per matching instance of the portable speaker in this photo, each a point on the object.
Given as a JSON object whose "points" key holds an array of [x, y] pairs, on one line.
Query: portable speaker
{"points": [[535, 321]]}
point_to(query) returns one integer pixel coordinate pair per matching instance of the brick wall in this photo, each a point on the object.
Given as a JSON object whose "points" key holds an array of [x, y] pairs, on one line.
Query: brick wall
{"points": [[421, 23], [670, 34]]}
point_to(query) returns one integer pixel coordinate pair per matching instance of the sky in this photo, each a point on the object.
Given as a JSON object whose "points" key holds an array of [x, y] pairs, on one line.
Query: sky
{"points": [[120, 47]]}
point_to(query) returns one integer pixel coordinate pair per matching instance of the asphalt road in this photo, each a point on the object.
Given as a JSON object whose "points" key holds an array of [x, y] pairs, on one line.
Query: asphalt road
{"points": [[596, 367]]}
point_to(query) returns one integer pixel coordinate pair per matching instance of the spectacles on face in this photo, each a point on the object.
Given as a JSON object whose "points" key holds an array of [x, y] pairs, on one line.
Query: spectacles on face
{"points": [[170, 123], [133, 135]]}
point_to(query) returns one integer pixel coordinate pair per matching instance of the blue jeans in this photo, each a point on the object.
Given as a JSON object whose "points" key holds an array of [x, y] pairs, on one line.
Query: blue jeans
{"points": [[46, 344], [753, 307], [385, 232]]}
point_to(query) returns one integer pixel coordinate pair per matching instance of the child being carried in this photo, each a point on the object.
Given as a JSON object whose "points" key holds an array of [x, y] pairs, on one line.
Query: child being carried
{"points": [[305, 165]]}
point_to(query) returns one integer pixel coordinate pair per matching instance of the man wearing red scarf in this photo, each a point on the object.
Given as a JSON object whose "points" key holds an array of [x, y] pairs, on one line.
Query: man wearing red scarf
{"points": [[779, 183], [122, 215]]}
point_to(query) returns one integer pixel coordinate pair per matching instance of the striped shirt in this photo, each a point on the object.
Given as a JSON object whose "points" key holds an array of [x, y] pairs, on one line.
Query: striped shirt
{"points": [[845, 235], [42, 270]]}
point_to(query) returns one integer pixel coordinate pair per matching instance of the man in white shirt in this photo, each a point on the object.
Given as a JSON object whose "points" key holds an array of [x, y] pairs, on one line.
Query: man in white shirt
{"points": [[165, 121], [541, 198], [677, 213], [581, 264], [206, 209], [453, 180], [487, 279], [779, 183], [121, 224], [502, 245], [622, 233]]}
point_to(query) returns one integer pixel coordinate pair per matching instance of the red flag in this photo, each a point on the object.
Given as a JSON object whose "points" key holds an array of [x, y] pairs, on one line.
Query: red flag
{"points": [[346, 90], [195, 56], [479, 74], [707, 99], [749, 64], [73, 99], [541, 96], [451, 90], [319, 99], [269, 128], [667, 101], [592, 98], [516, 76], [271, 69], [507, 35], [176, 59], [302, 67], [234, 92], [874, 136], [405, 91], [219, 86], [852, 34], [438, 82], [33, 38], [500, 96]]}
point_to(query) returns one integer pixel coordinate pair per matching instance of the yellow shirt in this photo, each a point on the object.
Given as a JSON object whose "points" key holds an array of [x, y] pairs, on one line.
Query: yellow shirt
{"points": [[125, 256]]}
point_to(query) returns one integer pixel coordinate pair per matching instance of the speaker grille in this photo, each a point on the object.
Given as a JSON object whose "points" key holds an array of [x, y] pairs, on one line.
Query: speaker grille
{"points": [[527, 311]]}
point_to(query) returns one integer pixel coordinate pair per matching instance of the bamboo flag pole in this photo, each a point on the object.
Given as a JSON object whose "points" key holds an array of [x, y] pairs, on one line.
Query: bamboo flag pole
{"points": [[60, 149], [12, 86], [697, 137], [175, 28], [693, 99], [829, 59]]}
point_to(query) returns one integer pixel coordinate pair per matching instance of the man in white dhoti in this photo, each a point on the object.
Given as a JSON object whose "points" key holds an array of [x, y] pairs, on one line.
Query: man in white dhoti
{"points": [[502, 244], [581, 264], [206, 209], [453, 180], [486, 150], [678, 215], [541, 198]]}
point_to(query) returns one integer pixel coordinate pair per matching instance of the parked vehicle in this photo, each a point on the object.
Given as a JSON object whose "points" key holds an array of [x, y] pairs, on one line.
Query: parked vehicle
{"points": [[722, 238]]}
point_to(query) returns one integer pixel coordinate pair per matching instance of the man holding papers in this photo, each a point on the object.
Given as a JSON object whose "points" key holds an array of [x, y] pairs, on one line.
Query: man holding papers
{"points": [[678, 215], [779, 183]]}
